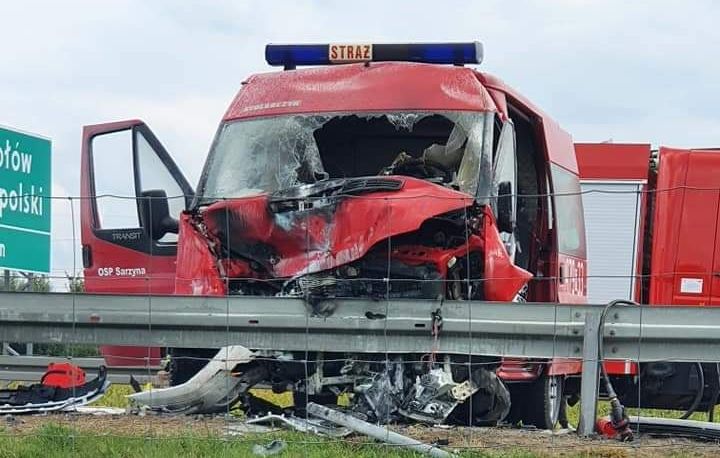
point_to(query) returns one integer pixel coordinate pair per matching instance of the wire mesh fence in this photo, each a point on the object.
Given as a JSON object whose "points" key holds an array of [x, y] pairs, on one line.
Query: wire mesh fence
{"points": [[325, 248]]}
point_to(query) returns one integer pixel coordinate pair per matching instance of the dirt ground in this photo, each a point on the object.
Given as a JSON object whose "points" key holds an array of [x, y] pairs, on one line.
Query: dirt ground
{"points": [[490, 440], [562, 443]]}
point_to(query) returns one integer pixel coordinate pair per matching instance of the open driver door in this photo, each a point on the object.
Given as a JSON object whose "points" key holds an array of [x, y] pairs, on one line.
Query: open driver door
{"points": [[132, 196]]}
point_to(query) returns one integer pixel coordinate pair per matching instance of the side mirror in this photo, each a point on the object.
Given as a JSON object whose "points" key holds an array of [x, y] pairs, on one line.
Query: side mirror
{"points": [[505, 217], [155, 214]]}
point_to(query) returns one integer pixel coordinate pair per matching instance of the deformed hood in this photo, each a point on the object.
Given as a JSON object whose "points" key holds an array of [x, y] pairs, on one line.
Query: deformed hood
{"points": [[292, 235]]}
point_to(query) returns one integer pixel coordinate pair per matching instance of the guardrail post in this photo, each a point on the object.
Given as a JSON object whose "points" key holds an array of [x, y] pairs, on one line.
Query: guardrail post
{"points": [[590, 375]]}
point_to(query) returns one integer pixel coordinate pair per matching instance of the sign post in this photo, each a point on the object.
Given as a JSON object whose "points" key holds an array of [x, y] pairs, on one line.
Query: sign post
{"points": [[25, 205]]}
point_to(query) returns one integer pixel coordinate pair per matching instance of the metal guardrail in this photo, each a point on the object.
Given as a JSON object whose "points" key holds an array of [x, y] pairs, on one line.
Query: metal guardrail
{"points": [[357, 325], [639, 333]]}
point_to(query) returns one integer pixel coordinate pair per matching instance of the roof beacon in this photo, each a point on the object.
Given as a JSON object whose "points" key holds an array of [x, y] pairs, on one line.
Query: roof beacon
{"points": [[290, 56]]}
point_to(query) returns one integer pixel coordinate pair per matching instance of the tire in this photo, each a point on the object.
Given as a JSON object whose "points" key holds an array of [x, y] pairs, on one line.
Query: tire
{"points": [[186, 362], [544, 404], [539, 403]]}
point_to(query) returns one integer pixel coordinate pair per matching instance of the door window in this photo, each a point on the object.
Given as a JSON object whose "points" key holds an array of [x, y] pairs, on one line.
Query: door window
{"points": [[505, 163], [568, 212], [505, 182], [112, 159], [126, 164], [154, 174]]}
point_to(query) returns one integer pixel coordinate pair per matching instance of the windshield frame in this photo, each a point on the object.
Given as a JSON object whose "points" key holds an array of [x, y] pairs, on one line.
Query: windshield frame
{"points": [[483, 191]]}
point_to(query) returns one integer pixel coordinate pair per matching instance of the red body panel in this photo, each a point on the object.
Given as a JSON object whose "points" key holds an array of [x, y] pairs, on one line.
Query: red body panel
{"points": [[572, 285], [392, 86], [325, 237], [685, 258], [503, 279], [613, 161], [378, 87], [558, 145], [197, 272]]}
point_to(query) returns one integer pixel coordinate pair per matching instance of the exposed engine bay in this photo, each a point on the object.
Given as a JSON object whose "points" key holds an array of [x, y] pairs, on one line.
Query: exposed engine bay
{"points": [[411, 388]]}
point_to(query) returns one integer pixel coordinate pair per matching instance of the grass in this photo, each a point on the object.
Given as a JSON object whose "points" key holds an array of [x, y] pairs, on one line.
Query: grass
{"points": [[573, 413], [56, 441], [53, 440], [115, 396]]}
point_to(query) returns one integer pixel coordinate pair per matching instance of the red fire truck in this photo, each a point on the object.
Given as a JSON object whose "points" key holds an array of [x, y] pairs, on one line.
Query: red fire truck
{"points": [[382, 171], [652, 224]]}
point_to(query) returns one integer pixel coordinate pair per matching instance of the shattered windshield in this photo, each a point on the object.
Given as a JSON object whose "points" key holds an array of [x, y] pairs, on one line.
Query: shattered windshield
{"points": [[277, 153]]}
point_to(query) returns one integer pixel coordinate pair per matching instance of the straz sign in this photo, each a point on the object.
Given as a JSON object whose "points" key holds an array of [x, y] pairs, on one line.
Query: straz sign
{"points": [[24, 201], [345, 53]]}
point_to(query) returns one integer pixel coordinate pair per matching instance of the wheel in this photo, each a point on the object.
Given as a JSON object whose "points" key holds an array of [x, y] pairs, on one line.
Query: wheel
{"points": [[545, 401], [539, 403], [186, 362]]}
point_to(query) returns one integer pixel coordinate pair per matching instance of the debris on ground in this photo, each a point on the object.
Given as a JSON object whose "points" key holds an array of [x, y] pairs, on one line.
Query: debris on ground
{"points": [[519, 442], [212, 390], [304, 425], [272, 448], [374, 431], [670, 427], [62, 388], [12, 421], [243, 429], [100, 410]]}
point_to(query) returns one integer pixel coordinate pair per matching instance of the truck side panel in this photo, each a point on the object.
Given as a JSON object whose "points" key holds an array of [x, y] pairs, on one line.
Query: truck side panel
{"points": [[685, 229]]}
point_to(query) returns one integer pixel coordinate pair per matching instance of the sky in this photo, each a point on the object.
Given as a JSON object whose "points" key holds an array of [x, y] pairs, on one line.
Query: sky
{"points": [[640, 71]]}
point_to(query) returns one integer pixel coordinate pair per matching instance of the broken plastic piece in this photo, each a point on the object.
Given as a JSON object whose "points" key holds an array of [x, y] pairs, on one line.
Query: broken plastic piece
{"points": [[212, 390], [63, 375], [272, 448], [39, 398]]}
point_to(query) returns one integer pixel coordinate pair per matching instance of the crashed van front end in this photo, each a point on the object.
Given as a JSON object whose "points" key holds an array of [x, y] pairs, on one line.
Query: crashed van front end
{"points": [[379, 185], [396, 205]]}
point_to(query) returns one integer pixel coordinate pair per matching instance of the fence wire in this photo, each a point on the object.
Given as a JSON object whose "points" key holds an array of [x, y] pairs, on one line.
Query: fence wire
{"points": [[290, 249]]}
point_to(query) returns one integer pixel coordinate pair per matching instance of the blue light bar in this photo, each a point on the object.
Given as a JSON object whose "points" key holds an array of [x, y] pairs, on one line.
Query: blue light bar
{"points": [[290, 56]]}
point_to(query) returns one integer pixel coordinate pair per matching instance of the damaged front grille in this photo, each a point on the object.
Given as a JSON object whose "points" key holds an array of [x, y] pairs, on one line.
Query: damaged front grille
{"points": [[369, 278], [362, 185], [324, 193]]}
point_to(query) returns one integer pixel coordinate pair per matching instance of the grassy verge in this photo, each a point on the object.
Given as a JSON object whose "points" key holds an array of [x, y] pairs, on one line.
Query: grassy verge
{"points": [[604, 410], [57, 441]]}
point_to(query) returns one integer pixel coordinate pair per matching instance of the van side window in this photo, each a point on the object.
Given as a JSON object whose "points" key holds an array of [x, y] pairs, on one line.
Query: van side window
{"points": [[505, 176], [568, 212], [505, 167], [112, 155], [153, 174]]}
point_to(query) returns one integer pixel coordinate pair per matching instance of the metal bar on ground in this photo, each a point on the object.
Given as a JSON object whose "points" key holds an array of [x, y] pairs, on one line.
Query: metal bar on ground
{"points": [[376, 432]]}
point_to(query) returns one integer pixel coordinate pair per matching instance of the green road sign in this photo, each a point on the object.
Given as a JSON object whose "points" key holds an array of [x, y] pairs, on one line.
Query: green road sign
{"points": [[25, 204]]}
